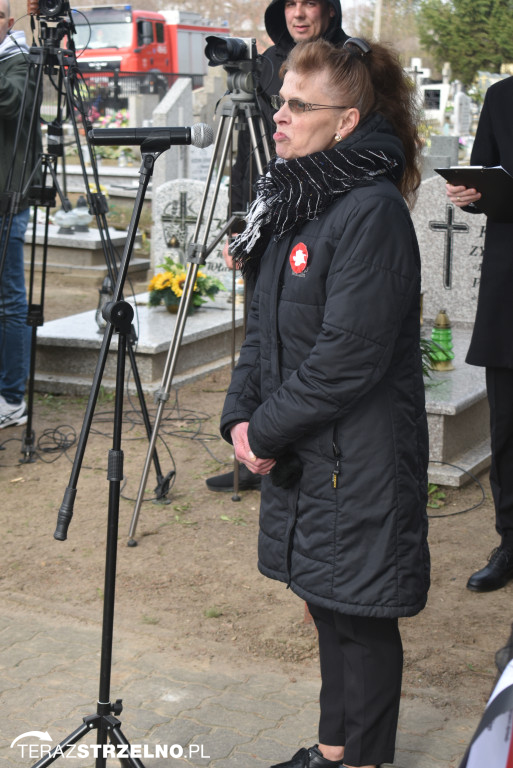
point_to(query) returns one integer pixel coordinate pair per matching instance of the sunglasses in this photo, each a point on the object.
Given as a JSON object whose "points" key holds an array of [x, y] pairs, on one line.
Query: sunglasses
{"points": [[297, 106]]}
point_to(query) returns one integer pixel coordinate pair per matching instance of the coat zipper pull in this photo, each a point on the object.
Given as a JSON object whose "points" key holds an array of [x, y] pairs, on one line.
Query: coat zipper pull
{"points": [[336, 471]]}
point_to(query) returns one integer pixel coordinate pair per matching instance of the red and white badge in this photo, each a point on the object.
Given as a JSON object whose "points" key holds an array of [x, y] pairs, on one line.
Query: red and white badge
{"points": [[299, 258]]}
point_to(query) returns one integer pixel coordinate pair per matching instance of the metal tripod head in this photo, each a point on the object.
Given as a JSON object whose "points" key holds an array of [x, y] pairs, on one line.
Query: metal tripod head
{"points": [[243, 66], [55, 23]]}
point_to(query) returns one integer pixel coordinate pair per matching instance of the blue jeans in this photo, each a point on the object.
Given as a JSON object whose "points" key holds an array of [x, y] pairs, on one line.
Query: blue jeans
{"points": [[15, 334]]}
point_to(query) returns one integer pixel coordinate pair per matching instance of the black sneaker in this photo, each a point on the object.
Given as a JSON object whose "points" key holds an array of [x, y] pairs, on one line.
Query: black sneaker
{"points": [[224, 483], [495, 574], [310, 758]]}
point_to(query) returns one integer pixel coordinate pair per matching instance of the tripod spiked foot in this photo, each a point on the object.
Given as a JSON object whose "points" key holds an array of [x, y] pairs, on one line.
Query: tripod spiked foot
{"points": [[108, 726]]}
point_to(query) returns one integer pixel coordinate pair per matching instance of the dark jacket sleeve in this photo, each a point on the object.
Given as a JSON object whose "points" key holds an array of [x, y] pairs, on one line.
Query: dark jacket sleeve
{"points": [[373, 280], [15, 126], [12, 86], [485, 150]]}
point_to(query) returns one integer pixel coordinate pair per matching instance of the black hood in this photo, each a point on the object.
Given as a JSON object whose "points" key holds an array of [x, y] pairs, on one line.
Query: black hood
{"points": [[376, 133], [279, 34]]}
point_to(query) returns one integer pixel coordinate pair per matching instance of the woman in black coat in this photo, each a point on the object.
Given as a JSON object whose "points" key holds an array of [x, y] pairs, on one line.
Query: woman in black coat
{"points": [[327, 399]]}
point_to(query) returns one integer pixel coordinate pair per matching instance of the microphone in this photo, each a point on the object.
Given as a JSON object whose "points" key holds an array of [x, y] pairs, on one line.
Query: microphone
{"points": [[199, 135]]}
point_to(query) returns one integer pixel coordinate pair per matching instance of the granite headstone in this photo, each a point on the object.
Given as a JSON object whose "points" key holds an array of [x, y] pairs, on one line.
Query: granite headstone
{"points": [[451, 245], [443, 152], [462, 114], [176, 205]]}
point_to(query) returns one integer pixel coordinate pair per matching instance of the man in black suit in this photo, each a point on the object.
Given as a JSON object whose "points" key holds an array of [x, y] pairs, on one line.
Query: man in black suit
{"points": [[492, 339]]}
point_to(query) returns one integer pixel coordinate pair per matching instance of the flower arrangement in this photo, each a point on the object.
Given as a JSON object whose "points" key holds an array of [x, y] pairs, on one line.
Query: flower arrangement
{"points": [[117, 119], [167, 287]]}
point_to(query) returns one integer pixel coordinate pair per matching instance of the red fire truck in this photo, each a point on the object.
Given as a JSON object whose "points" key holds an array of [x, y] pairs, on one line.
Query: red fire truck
{"points": [[142, 47]]}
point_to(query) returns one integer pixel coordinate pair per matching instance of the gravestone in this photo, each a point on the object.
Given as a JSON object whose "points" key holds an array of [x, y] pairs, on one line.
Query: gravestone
{"points": [[451, 245], [175, 109], [462, 114], [176, 207], [68, 348], [80, 254], [434, 101], [445, 146], [443, 153]]}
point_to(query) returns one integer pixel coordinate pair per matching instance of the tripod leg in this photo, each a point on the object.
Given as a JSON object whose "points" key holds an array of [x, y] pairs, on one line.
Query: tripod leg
{"points": [[64, 745], [197, 253], [34, 320], [117, 738], [162, 482]]}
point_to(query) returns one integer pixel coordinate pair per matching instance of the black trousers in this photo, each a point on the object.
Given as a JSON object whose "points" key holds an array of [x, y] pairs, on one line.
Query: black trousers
{"points": [[361, 671], [499, 387]]}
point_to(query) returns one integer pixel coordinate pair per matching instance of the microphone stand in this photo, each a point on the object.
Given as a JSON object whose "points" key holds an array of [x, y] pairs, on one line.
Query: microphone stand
{"points": [[119, 315]]}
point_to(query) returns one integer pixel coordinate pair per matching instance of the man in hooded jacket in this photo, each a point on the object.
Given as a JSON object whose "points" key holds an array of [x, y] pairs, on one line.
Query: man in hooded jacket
{"points": [[14, 138], [287, 23]]}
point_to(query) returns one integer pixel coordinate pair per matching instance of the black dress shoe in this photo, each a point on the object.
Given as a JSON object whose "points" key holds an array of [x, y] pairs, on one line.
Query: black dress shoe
{"points": [[494, 575], [310, 758], [224, 483]]}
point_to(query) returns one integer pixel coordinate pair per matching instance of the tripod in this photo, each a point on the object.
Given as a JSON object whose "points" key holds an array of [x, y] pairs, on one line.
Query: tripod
{"points": [[61, 67], [119, 315], [242, 105]]}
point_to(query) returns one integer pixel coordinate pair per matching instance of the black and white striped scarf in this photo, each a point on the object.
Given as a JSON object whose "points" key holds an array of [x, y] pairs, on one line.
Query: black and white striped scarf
{"points": [[294, 191]]}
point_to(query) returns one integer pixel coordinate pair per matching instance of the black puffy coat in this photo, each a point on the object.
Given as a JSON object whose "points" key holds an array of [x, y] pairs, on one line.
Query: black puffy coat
{"points": [[331, 370]]}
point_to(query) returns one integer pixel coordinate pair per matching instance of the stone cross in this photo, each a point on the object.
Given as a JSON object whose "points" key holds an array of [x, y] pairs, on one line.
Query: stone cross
{"points": [[449, 227]]}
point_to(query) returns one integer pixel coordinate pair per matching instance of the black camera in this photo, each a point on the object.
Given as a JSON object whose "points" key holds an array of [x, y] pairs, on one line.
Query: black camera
{"points": [[239, 57], [52, 9], [229, 50]]}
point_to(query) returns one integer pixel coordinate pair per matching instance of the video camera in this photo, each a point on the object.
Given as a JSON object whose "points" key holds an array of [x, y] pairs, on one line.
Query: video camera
{"points": [[240, 59], [55, 21], [48, 9], [229, 51]]}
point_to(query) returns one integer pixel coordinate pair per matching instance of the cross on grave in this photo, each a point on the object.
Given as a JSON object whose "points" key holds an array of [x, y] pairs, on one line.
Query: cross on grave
{"points": [[416, 73], [176, 219], [449, 227], [176, 206]]}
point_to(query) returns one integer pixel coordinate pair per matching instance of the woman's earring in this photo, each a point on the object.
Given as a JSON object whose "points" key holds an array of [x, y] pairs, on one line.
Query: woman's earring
{"points": [[338, 137]]}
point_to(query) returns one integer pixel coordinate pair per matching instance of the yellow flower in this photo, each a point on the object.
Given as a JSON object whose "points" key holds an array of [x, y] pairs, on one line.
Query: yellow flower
{"points": [[165, 281], [161, 281], [178, 284], [153, 283]]}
